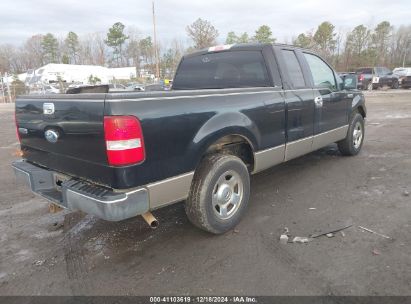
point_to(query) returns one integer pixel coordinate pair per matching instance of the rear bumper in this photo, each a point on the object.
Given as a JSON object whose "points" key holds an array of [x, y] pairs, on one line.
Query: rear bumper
{"points": [[74, 194]]}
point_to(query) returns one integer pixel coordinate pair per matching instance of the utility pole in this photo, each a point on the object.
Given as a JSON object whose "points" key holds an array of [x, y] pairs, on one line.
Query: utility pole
{"points": [[2, 88], [8, 87], [155, 45]]}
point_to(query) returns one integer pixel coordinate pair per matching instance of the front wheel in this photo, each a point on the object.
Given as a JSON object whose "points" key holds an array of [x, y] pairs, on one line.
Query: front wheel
{"points": [[219, 193], [352, 143]]}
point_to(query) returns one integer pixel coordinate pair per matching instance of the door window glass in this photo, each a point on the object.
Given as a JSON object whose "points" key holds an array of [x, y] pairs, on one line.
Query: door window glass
{"points": [[364, 71], [323, 75]]}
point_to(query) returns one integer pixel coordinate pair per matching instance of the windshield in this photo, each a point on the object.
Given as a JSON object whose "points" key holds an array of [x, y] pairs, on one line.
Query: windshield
{"points": [[234, 69]]}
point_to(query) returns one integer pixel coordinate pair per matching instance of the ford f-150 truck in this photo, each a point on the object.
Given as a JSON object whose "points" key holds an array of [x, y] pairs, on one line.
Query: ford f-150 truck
{"points": [[233, 111]]}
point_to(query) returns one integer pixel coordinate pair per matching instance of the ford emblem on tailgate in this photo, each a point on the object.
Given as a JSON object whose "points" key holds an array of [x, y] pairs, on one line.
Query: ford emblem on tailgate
{"points": [[48, 108], [51, 136]]}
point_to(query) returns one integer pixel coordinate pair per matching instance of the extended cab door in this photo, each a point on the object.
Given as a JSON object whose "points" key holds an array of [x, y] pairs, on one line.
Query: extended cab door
{"points": [[331, 103], [299, 101]]}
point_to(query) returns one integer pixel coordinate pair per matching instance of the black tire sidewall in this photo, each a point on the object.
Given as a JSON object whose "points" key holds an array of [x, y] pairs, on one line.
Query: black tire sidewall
{"points": [[238, 166]]}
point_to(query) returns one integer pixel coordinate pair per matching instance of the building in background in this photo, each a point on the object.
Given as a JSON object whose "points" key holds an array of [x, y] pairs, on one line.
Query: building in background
{"points": [[77, 74]]}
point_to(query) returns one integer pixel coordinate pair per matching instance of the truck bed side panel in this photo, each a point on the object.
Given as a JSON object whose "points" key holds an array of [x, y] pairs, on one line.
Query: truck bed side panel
{"points": [[179, 126]]}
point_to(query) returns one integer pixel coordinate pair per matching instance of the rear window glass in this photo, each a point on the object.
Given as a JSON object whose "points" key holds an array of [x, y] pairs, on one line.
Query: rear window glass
{"points": [[234, 69], [364, 71]]}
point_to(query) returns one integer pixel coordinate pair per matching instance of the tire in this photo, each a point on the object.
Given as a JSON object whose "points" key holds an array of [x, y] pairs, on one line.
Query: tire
{"points": [[395, 84], [219, 193], [351, 145]]}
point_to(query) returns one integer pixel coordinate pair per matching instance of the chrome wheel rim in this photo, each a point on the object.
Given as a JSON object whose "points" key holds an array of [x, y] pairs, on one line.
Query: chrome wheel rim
{"points": [[227, 194], [357, 135]]}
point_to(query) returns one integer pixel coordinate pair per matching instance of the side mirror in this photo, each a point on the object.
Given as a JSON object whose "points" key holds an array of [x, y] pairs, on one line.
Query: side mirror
{"points": [[349, 82]]}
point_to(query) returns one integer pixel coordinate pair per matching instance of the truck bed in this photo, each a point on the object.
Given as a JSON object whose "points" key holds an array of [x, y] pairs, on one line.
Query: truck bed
{"points": [[177, 127]]}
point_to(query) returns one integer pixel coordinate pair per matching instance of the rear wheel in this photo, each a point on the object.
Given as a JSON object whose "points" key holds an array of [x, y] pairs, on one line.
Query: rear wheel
{"points": [[395, 84], [219, 193], [352, 143]]}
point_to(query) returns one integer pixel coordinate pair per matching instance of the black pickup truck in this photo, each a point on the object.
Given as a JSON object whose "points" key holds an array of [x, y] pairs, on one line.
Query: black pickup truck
{"points": [[372, 78], [233, 111]]}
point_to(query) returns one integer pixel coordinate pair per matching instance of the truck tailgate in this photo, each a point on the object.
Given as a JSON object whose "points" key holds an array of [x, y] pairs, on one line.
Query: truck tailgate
{"points": [[77, 120]]}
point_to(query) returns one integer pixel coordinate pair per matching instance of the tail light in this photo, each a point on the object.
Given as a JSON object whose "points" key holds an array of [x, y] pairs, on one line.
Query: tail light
{"points": [[124, 140], [361, 77]]}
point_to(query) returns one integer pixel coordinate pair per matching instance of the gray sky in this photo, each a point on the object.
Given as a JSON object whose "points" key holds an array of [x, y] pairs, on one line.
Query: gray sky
{"points": [[21, 19]]}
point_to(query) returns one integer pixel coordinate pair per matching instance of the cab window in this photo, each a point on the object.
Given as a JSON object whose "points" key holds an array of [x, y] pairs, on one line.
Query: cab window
{"points": [[323, 75]]}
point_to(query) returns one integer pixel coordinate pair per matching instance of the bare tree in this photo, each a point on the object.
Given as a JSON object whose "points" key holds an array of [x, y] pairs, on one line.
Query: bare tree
{"points": [[133, 51], [86, 49], [203, 33], [33, 52], [99, 48]]}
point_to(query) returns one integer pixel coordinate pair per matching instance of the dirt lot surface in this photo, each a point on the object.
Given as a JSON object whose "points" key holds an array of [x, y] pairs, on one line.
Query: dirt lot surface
{"points": [[75, 254]]}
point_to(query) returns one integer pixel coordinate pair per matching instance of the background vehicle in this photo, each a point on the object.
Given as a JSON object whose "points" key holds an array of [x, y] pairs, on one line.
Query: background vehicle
{"points": [[49, 89], [135, 87], [44, 89], [404, 75], [375, 77], [115, 87], [234, 111], [350, 79], [155, 87]]}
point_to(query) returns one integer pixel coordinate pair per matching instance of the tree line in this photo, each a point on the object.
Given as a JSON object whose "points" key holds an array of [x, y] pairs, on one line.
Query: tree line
{"points": [[382, 45], [120, 46]]}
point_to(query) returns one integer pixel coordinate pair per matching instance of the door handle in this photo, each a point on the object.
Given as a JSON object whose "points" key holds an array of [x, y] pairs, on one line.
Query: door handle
{"points": [[318, 101]]}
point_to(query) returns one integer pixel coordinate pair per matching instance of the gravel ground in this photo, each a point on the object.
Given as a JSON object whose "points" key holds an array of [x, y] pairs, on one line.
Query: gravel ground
{"points": [[76, 254]]}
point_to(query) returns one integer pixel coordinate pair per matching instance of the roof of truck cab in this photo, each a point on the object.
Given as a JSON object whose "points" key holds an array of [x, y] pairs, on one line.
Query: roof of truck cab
{"points": [[238, 47]]}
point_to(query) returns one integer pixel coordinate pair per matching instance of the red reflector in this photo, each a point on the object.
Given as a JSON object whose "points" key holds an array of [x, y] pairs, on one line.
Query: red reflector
{"points": [[124, 140]]}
